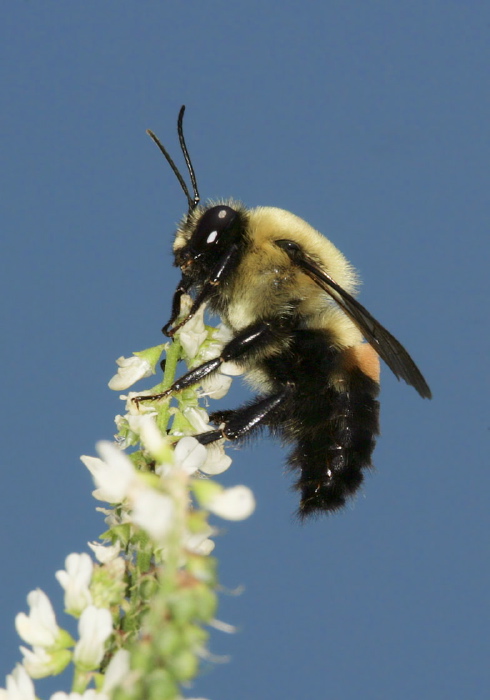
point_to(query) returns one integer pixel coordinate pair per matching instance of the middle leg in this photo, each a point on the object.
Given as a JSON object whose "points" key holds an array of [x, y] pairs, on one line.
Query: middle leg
{"points": [[243, 420]]}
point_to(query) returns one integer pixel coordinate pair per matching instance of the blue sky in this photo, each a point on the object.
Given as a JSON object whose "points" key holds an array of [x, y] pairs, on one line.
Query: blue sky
{"points": [[371, 121]]}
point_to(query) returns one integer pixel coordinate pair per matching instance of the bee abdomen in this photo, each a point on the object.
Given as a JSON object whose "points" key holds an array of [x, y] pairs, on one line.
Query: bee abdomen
{"points": [[335, 445]]}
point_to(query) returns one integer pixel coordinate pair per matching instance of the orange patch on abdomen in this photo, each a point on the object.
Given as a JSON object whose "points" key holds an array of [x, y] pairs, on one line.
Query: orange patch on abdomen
{"points": [[364, 357]]}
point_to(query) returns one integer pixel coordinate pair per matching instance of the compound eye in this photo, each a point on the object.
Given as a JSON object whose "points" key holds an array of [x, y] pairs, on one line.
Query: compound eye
{"points": [[212, 224]]}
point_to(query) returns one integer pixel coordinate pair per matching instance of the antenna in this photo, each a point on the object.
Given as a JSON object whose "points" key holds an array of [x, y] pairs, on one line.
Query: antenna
{"points": [[193, 202]]}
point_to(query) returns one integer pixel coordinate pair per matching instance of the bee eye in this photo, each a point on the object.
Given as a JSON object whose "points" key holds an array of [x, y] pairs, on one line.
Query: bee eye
{"points": [[212, 224]]}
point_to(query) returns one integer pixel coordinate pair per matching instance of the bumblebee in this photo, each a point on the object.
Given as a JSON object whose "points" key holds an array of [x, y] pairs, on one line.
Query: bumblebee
{"points": [[308, 347]]}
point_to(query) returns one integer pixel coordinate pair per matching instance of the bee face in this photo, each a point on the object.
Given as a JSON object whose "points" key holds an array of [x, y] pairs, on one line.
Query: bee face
{"points": [[202, 240]]}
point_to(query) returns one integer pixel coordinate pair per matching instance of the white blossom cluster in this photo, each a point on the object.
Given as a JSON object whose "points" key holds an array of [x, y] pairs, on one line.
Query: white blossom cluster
{"points": [[152, 502], [50, 643]]}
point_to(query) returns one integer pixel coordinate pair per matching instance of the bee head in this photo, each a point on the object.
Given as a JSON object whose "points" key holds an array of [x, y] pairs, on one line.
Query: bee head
{"points": [[204, 240]]}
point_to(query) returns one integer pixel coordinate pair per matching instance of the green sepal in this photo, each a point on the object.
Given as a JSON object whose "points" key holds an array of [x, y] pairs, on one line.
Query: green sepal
{"points": [[152, 355], [59, 660], [63, 640], [118, 533], [205, 490]]}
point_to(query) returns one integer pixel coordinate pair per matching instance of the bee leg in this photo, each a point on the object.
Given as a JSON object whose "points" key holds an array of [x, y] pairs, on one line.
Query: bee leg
{"points": [[209, 437], [187, 380], [243, 420], [208, 288], [249, 341], [183, 288]]}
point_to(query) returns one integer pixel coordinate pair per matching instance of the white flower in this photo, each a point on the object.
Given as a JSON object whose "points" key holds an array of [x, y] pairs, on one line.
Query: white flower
{"points": [[39, 628], [136, 409], [120, 422], [89, 694], [190, 455], [216, 385], [113, 474], [131, 370], [152, 511], [231, 369], [124, 437], [211, 348], [222, 333], [75, 580], [117, 670], [40, 663], [198, 418], [105, 553], [19, 686], [199, 542], [209, 351], [236, 503], [94, 628], [143, 428], [118, 481], [191, 341], [205, 548], [217, 461], [193, 334], [150, 436]]}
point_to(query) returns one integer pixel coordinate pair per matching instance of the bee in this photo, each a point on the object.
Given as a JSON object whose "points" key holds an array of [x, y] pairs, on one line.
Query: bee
{"points": [[307, 346]]}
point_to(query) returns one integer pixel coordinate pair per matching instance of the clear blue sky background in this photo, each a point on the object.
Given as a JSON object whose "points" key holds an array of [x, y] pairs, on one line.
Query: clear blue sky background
{"points": [[371, 121]]}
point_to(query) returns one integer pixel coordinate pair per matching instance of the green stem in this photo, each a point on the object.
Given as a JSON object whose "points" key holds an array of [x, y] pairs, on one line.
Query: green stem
{"points": [[171, 361]]}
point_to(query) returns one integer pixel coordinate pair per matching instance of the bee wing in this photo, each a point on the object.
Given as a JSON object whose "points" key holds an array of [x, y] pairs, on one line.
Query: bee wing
{"points": [[386, 345]]}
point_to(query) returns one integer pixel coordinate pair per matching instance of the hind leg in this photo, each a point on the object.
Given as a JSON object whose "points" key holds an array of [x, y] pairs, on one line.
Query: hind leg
{"points": [[242, 421]]}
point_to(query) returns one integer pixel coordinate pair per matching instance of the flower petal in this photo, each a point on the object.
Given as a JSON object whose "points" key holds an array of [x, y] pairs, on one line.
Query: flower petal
{"points": [[19, 686], [190, 455], [105, 553], [217, 461], [40, 663], [75, 580], [152, 511], [112, 474], [216, 386], [198, 418], [94, 627], [39, 628], [131, 370], [235, 503], [117, 670]]}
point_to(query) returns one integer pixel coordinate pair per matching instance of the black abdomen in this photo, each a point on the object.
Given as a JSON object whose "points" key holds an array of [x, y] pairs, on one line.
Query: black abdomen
{"points": [[332, 424]]}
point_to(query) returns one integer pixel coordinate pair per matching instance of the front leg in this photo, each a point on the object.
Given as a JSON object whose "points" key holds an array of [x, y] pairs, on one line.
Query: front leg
{"points": [[183, 287], [248, 343], [217, 275]]}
